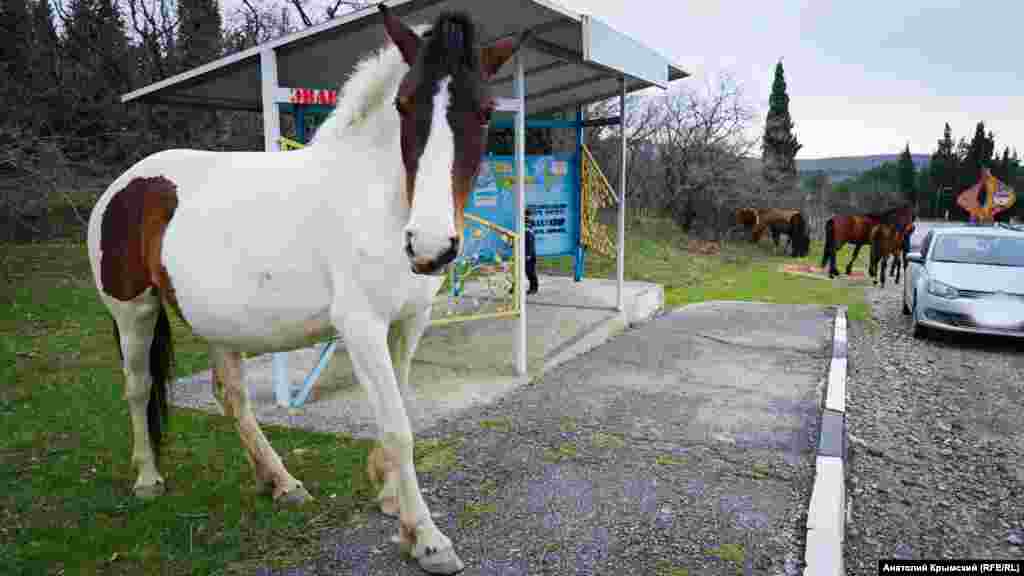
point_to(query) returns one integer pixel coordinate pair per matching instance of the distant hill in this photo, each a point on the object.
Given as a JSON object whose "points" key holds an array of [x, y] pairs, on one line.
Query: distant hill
{"points": [[843, 167]]}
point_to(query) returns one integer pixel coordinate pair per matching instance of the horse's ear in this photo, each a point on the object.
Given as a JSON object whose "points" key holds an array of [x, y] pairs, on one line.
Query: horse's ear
{"points": [[494, 56], [408, 42]]}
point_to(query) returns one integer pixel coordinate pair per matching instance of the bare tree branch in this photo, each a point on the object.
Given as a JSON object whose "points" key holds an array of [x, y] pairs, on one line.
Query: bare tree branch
{"points": [[302, 12]]}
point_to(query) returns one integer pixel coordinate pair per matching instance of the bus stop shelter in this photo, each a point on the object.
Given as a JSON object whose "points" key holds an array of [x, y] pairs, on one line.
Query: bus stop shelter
{"points": [[570, 60]]}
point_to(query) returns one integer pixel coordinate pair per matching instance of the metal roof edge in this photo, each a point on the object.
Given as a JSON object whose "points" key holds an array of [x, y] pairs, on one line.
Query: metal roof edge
{"points": [[273, 44]]}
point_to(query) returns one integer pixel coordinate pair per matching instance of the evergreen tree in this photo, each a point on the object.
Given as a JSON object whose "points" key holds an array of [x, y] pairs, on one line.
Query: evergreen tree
{"points": [[908, 176], [943, 169], [199, 32], [199, 41], [978, 155], [779, 145], [46, 77], [15, 59]]}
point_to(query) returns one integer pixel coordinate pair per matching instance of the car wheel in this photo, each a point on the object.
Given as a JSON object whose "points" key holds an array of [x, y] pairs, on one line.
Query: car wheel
{"points": [[920, 331]]}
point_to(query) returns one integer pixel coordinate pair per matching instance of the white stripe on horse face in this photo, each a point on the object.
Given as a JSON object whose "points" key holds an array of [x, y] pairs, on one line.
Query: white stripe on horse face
{"points": [[432, 219]]}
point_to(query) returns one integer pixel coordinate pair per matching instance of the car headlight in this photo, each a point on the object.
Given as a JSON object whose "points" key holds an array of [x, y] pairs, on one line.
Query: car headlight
{"points": [[942, 290]]}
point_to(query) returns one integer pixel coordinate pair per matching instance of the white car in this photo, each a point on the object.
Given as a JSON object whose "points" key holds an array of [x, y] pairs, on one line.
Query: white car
{"points": [[967, 279]]}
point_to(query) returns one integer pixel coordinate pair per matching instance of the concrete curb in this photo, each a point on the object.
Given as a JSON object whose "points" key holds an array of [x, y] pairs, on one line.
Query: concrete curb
{"points": [[826, 514]]}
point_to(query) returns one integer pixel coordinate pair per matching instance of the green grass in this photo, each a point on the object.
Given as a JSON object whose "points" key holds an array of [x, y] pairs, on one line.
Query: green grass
{"points": [[65, 441], [65, 450], [656, 251]]}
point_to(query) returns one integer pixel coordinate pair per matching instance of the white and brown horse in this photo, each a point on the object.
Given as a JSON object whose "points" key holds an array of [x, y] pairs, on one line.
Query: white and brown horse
{"points": [[260, 252]]}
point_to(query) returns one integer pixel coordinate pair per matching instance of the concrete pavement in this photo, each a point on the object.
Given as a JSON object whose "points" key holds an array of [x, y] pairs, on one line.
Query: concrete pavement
{"points": [[684, 446]]}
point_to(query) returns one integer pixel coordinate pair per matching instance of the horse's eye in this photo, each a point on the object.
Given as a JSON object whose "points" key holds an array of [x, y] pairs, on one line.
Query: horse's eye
{"points": [[402, 105]]}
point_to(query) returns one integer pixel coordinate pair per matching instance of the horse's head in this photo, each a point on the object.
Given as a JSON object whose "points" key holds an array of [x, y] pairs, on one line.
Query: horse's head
{"points": [[444, 107]]}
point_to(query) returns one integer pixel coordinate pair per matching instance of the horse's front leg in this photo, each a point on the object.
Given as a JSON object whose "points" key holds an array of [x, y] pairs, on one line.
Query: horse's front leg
{"points": [[366, 338], [856, 251], [403, 338], [231, 393]]}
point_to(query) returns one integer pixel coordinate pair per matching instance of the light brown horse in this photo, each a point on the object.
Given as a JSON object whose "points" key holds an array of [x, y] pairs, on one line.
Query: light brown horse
{"points": [[781, 221], [886, 242]]}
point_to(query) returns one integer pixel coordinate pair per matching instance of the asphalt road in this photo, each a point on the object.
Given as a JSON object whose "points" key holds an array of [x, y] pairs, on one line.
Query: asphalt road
{"points": [[684, 444]]}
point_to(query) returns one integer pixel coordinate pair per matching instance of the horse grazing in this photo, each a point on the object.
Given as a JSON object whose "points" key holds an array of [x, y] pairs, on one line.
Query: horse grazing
{"points": [[856, 229], [788, 222], [747, 219], [261, 252], [886, 242]]}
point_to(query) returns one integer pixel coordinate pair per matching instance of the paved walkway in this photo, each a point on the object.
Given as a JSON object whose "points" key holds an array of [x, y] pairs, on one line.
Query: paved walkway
{"points": [[684, 446]]}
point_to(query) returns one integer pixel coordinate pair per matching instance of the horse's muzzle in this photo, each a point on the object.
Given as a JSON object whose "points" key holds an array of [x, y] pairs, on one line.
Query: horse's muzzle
{"points": [[437, 266]]}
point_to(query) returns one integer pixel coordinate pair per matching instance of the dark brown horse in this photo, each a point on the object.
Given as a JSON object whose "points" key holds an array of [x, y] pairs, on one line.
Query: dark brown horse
{"points": [[856, 229], [788, 222], [886, 242]]}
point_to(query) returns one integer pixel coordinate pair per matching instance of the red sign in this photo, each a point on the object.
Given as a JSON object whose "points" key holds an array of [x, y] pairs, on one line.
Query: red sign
{"points": [[311, 96]]}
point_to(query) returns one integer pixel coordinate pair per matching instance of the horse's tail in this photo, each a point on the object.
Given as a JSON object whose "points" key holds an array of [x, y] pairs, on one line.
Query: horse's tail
{"points": [[161, 356], [830, 242]]}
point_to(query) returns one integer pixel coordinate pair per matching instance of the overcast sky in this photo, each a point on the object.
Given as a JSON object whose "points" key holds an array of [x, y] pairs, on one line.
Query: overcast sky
{"points": [[864, 76]]}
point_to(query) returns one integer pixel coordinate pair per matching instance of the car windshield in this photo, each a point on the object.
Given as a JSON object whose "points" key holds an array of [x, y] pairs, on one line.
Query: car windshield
{"points": [[979, 249]]}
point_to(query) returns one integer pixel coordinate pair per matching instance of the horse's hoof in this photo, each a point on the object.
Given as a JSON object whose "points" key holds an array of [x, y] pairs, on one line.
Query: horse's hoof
{"points": [[149, 491], [441, 561], [297, 496]]}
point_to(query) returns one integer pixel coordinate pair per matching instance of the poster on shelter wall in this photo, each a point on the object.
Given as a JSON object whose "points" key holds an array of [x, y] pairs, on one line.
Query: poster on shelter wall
{"points": [[551, 193]]}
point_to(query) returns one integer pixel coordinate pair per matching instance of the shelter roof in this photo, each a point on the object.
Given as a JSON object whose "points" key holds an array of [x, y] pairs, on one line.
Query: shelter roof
{"points": [[571, 59]]}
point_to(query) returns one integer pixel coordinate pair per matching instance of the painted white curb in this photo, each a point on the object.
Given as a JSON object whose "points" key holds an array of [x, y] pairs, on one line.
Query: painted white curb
{"points": [[826, 514]]}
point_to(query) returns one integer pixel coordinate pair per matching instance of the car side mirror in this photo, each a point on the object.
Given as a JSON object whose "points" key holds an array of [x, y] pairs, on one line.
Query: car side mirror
{"points": [[915, 257]]}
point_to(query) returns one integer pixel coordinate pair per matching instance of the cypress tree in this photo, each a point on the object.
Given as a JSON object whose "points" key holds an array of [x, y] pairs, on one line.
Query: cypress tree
{"points": [[908, 176], [779, 145]]}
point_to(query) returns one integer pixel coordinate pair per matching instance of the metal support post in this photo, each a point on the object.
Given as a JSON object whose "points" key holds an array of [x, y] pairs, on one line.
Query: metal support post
{"points": [[271, 143], [520, 89], [621, 258]]}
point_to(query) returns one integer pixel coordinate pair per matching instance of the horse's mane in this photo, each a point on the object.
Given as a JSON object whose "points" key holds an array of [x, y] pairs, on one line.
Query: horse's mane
{"points": [[366, 90]]}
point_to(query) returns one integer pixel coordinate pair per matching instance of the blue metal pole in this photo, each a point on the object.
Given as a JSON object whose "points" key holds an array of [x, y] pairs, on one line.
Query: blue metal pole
{"points": [[579, 193]]}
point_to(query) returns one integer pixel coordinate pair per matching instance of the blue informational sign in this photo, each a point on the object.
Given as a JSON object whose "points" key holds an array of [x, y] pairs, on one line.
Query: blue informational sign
{"points": [[551, 193]]}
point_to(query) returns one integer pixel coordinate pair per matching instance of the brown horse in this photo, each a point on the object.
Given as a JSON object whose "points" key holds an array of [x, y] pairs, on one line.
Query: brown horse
{"points": [[856, 229], [788, 222], [747, 218], [886, 241]]}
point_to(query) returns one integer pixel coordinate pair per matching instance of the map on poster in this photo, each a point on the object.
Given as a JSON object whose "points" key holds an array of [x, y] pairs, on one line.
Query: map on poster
{"points": [[551, 193]]}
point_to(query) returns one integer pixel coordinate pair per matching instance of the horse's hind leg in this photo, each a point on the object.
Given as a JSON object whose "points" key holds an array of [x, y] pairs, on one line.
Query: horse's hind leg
{"points": [[894, 270], [366, 339], [230, 390], [403, 338], [856, 252], [136, 326]]}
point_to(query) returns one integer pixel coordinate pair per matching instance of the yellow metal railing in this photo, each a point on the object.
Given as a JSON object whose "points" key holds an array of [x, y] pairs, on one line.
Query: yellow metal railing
{"points": [[289, 144], [503, 267], [595, 193]]}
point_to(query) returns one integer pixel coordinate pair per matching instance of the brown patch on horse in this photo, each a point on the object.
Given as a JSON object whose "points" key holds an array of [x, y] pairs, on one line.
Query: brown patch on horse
{"points": [[132, 236], [449, 51]]}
